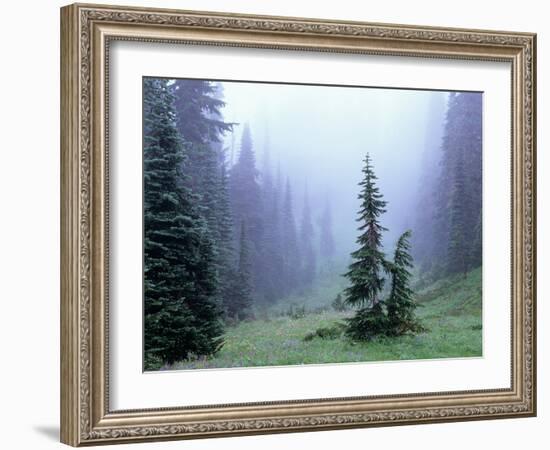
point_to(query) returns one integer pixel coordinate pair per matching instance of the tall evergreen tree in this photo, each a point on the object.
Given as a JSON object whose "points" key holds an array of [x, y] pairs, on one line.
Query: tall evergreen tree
{"points": [[272, 284], [400, 304], [423, 241], [365, 273], [200, 124], [291, 252], [265, 280], [458, 251], [198, 105], [240, 297], [225, 243], [267, 176], [309, 264], [208, 190], [457, 193], [181, 310], [246, 202], [326, 246]]}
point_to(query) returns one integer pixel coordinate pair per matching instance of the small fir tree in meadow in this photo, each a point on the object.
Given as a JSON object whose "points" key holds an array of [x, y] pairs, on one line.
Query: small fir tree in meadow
{"points": [[365, 272], [400, 304]]}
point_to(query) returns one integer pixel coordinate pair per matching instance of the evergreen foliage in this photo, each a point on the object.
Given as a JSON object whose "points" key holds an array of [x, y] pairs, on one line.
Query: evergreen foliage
{"points": [[326, 247], [365, 273], [199, 123], [273, 283], [181, 309], [246, 203], [400, 303], [240, 297], [374, 317], [423, 243], [367, 323], [457, 260], [198, 107], [291, 252], [225, 243], [448, 237], [309, 263]]}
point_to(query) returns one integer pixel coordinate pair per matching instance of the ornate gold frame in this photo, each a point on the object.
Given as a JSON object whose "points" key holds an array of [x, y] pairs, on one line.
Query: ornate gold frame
{"points": [[86, 31]]}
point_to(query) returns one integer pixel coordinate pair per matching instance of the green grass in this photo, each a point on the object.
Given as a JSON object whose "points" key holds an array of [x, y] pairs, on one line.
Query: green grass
{"points": [[450, 310]]}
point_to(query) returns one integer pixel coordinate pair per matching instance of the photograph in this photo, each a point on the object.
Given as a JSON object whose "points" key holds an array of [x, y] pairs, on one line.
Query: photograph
{"points": [[288, 224]]}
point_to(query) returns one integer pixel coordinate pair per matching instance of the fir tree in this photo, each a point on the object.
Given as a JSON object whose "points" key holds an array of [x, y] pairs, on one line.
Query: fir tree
{"points": [[246, 203], [326, 239], [400, 304], [181, 310], [273, 283], [309, 265], [267, 178], [225, 243], [367, 323], [201, 126], [291, 252], [266, 279], [364, 274], [199, 122], [423, 242], [209, 189], [240, 304], [457, 192], [198, 105], [459, 245]]}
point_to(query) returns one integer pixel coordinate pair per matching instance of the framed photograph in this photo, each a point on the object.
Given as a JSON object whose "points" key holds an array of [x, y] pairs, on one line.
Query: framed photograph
{"points": [[274, 224]]}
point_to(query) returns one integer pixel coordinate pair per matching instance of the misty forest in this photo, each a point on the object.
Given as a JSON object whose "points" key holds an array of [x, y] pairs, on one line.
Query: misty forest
{"points": [[301, 224]]}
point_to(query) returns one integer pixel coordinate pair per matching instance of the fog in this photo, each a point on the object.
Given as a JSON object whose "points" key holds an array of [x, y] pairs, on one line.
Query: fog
{"points": [[319, 136], [250, 217]]}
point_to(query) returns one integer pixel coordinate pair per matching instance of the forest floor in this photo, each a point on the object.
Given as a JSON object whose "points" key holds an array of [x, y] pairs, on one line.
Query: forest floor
{"points": [[451, 312]]}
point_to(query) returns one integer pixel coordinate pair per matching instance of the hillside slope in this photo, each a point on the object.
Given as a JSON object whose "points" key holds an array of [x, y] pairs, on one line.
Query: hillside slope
{"points": [[451, 311]]}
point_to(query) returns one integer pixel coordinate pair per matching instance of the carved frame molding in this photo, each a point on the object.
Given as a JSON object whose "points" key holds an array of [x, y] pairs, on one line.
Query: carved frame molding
{"points": [[86, 31]]}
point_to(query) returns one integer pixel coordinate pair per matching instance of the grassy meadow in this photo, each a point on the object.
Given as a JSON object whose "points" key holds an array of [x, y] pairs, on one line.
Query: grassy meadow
{"points": [[450, 310]]}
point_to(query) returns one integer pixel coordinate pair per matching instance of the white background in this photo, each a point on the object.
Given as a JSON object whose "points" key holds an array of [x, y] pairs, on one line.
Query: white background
{"points": [[29, 246], [132, 389]]}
